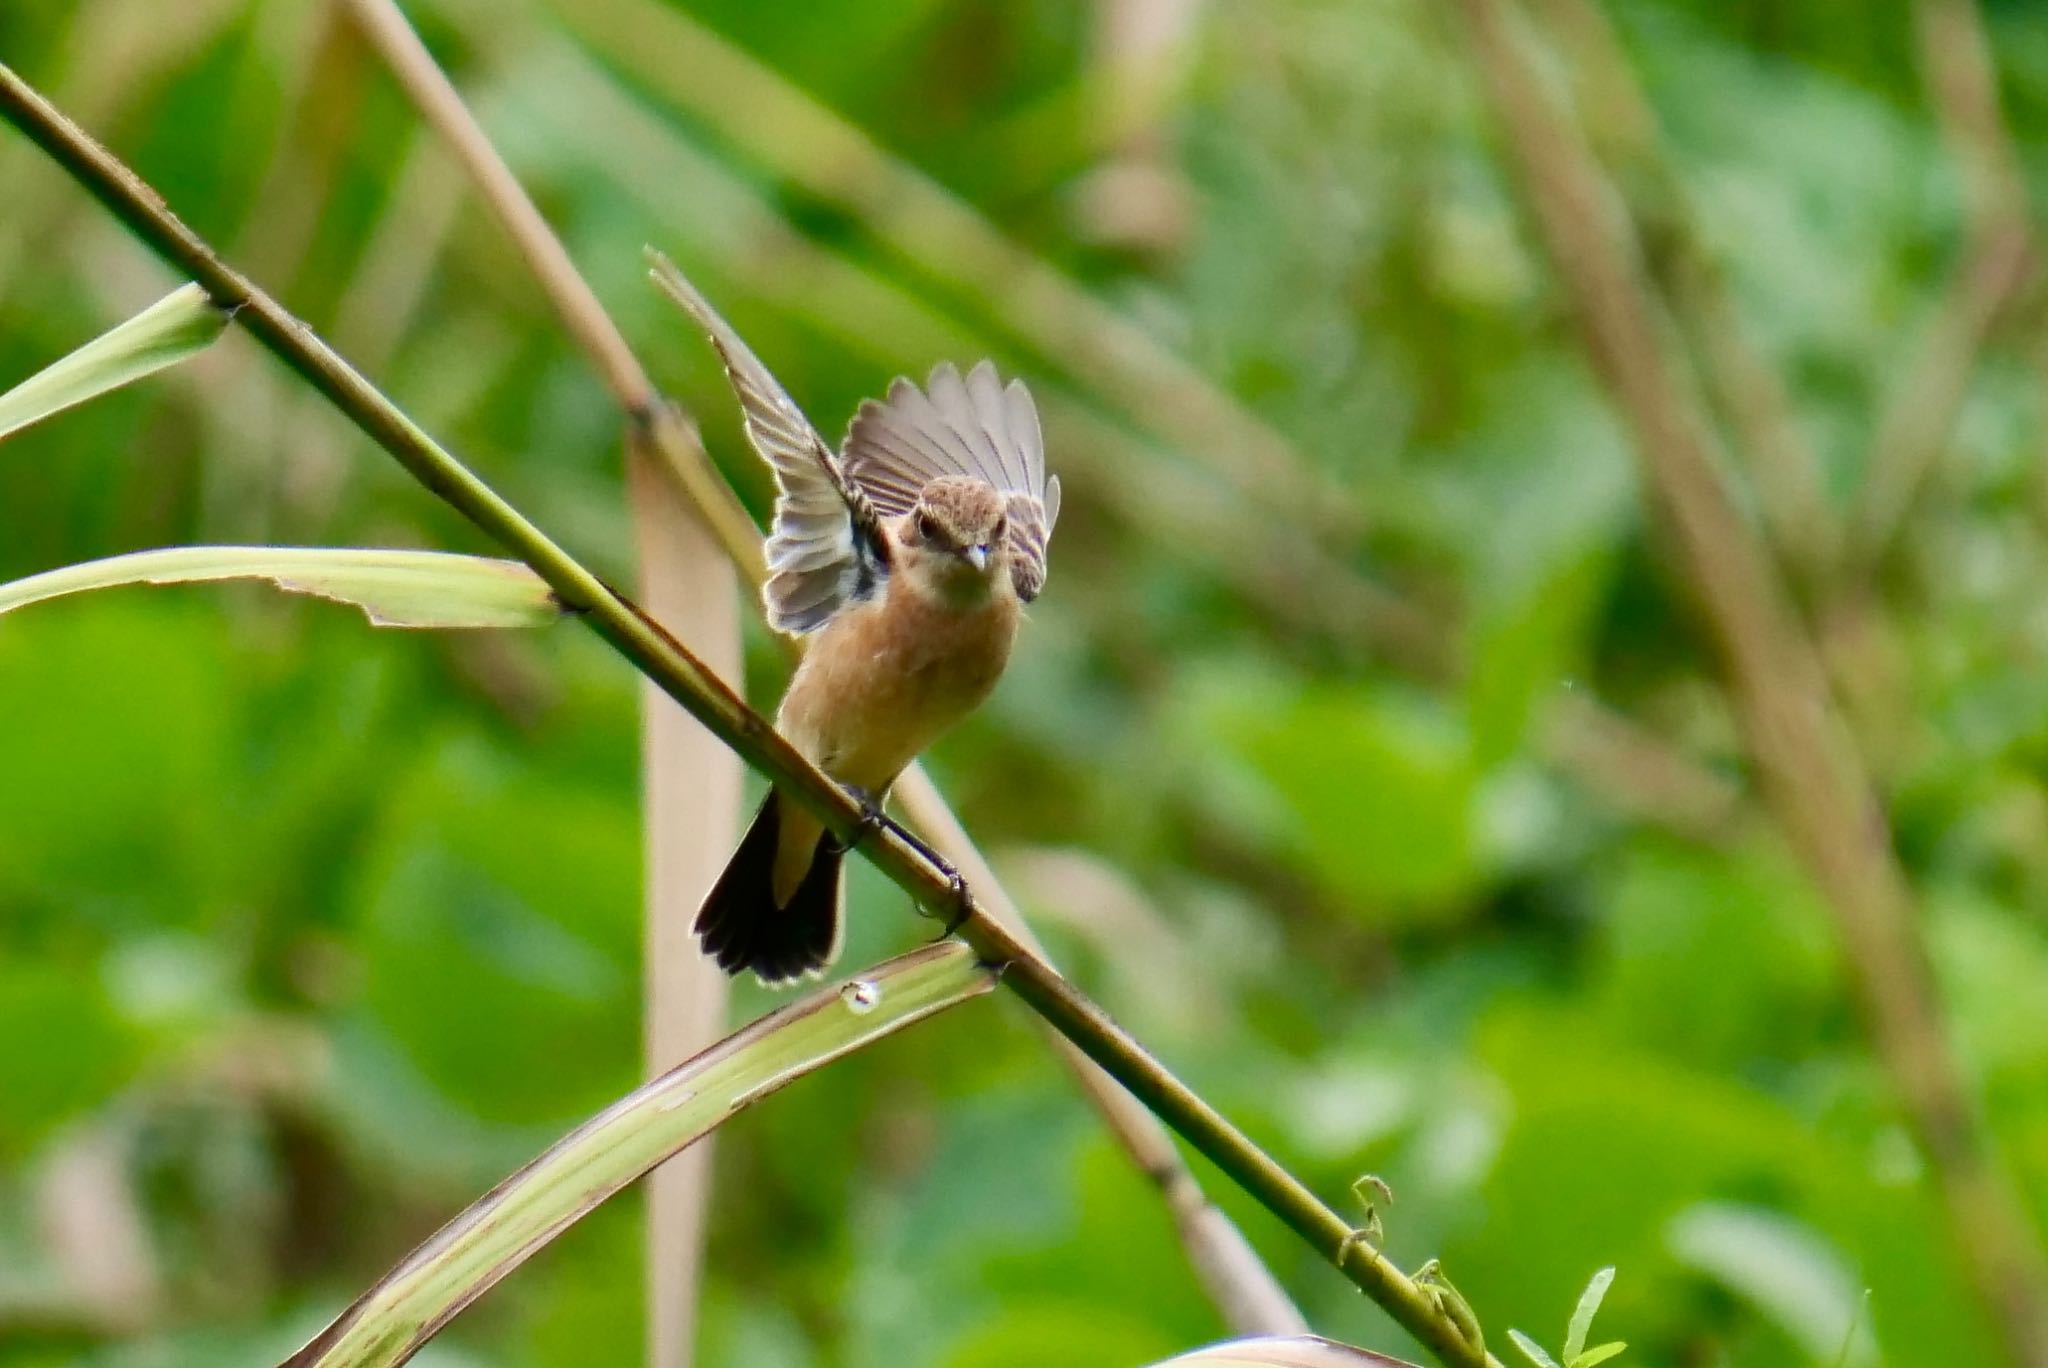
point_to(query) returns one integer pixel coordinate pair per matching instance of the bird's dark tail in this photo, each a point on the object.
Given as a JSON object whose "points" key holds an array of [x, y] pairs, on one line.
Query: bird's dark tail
{"points": [[739, 923]]}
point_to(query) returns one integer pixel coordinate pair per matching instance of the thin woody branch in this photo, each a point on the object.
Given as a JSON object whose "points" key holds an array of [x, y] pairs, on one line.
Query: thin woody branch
{"points": [[1417, 1308]]}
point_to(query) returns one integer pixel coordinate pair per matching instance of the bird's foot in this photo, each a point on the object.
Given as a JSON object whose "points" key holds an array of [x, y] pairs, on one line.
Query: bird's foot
{"points": [[873, 819], [962, 899]]}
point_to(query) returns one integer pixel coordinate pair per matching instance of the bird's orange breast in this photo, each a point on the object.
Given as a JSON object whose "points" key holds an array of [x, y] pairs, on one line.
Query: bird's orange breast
{"points": [[887, 677]]}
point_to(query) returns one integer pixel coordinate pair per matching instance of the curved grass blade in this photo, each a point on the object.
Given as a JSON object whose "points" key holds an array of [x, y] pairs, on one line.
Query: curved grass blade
{"points": [[465, 1258], [433, 589], [1282, 1351], [175, 327]]}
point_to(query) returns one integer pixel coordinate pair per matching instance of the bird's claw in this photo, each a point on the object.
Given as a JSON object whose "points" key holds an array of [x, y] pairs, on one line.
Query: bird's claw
{"points": [[963, 902], [962, 899]]}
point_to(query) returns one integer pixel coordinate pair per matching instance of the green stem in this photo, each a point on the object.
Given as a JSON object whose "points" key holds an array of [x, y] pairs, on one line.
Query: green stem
{"points": [[683, 677]]}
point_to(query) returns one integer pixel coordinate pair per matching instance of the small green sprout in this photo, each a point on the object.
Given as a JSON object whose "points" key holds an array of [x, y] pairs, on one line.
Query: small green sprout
{"points": [[1449, 1302], [1372, 1193], [1576, 1354]]}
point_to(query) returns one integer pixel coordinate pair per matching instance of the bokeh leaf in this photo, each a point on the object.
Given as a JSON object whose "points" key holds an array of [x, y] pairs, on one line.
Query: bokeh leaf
{"points": [[1527, 648], [529, 884], [1373, 790], [1785, 1269], [83, 1052], [436, 589], [1711, 955], [179, 325]]}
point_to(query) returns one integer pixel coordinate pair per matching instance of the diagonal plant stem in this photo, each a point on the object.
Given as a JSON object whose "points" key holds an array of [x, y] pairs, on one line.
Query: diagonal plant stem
{"points": [[1244, 1290], [1781, 463], [1811, 774], [2001, 256], [1956, 63], [680, 674], [1251, 1298], [1914, 427]]}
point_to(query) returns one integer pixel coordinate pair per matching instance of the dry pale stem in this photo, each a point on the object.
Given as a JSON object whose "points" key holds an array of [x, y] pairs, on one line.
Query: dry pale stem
{"points": [[1916, 424], [1780, 462]]}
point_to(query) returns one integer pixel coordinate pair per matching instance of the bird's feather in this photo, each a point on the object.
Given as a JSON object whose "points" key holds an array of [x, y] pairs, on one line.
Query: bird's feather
{"points": [[825, 547], [742, 926], [976, 427]]}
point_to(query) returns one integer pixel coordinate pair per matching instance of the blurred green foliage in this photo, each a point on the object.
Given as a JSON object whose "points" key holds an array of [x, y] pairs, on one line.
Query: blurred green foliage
{"points": [[309, 933]]}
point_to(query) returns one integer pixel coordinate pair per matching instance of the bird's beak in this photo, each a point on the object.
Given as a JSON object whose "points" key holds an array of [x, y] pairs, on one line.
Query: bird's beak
{"points": [[976, 556]]}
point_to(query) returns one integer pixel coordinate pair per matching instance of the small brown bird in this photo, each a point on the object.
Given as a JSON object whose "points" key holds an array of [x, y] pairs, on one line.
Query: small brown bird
{"points": [[906, 560]]}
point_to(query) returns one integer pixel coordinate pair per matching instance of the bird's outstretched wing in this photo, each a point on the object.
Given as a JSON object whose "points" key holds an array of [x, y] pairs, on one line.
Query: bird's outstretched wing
{"points": [[975, 427], [826, 547]]}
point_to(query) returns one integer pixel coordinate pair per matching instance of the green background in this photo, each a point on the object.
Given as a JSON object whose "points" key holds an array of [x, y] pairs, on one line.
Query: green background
{"points": [[309, 933]]}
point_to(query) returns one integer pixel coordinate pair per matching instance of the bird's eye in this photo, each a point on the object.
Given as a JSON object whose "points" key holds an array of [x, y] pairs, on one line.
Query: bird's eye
{"points": [[1002, 529], [926, 528]]}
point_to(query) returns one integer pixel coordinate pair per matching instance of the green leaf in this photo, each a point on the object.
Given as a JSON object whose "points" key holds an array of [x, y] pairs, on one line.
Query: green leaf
{"points": [[598, 1159], [84, 1052], [1598, 1354], [1373, 789], [1526, 648], [1582, 1315], [179, 325], [1531, 1350], [1710, 957], [528, 880], [393, 588]]}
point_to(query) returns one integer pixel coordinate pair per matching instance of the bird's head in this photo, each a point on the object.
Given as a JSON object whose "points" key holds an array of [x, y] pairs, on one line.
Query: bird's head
{"points": [[958, 532]]}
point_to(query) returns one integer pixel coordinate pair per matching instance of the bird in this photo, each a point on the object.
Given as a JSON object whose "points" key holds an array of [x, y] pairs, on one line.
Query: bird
{"points": [[904, 561]]}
